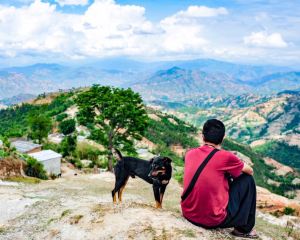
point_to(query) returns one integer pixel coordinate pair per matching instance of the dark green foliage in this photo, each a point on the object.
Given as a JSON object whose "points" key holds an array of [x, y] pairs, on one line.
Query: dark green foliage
{"points": [[262, 171], [165, 132], [114, 116], [35, 169], [282, 152], [67, 126], [52, 146], [14, 120], [40, 126], [61, 117], [68, 145], [289, 211]]}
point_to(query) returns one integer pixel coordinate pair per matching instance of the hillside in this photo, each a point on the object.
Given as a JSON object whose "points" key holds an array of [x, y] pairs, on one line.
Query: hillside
{"points": [[271, 121], [80, 207], [166, 135]]}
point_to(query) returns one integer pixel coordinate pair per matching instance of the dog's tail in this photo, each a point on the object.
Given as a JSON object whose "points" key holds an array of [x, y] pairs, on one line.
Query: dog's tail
{"points": [[117, 154]]}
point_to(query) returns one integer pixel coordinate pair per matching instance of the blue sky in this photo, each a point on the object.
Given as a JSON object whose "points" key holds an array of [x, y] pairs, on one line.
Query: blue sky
{"points": [[254, 32]]}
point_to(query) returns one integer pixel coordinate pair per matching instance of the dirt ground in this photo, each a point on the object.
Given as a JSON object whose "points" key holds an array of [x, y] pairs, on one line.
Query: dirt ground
{"points": [[80, 207]]}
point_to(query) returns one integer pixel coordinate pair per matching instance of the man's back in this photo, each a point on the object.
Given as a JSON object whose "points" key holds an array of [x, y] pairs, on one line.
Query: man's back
{"points": [[206, 204]]}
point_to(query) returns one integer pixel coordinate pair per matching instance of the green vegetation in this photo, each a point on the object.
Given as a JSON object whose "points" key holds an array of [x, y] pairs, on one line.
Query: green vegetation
{"points": [[61, 117], [281, 151], [14, 121], [114, 116], [168, 131], [289, 211], [35, 168], [40, 126], [262, 171], [68, 146], [31, 180], [67, 126]]}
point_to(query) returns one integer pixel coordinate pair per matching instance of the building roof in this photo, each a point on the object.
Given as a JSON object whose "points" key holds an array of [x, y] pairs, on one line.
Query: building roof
{"points": [[45, 155], [24, 146]]}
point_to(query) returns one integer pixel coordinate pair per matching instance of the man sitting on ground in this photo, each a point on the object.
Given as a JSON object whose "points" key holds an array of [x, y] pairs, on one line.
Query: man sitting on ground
{"points": [[210, 199]]}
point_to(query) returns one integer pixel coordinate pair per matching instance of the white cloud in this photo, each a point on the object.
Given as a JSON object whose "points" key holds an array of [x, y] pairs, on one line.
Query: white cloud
{"points": [[107, 28], [72, 2], [193, 13], [263, 39]]}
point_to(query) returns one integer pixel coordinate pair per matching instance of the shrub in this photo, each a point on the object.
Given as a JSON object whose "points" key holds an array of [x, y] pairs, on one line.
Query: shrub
{"points": [[289, 211], [35, 169], [61, 117], [67, 126]]}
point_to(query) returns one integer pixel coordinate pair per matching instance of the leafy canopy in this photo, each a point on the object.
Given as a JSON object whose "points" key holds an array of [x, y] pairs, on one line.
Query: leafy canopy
{"points": [[40, 126], [115, 117]]}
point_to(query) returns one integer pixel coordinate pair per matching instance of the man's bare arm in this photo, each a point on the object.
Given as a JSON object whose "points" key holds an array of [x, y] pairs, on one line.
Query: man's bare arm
{"points": [[247, 169]]}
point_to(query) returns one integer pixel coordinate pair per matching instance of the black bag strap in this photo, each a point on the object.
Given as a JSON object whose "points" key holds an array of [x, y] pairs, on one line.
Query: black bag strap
{"points": [[197, 174]]}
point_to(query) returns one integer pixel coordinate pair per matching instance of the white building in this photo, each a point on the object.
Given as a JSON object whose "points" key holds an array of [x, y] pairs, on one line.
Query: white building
{"points": [[23, 146], [50, 159]]}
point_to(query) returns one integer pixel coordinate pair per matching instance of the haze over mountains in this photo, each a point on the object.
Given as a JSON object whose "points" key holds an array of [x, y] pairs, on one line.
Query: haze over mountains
{"points": [[156, 80]]}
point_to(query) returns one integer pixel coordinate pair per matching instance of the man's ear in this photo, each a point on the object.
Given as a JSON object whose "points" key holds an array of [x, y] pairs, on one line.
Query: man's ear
{"points": [[168, 160], [117, 154]]}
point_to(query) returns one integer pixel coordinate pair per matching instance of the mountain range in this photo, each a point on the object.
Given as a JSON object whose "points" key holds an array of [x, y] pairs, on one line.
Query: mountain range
{"points": [[154, 80]]}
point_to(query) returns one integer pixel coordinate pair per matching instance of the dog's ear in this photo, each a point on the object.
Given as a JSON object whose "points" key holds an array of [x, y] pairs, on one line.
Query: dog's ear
{"points": [[151, 160], [117, 154], [168, 160]]}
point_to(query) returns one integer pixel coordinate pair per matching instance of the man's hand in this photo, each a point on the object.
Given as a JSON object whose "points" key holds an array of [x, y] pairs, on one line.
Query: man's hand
{"points": [[247, 169]]}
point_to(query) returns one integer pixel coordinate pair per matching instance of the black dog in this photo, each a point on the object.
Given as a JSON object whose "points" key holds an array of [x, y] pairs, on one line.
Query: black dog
{"points": [[157, 171]]}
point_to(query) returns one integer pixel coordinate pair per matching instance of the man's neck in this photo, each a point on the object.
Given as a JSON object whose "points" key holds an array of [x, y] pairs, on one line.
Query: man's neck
{"points": [[212, 145]]}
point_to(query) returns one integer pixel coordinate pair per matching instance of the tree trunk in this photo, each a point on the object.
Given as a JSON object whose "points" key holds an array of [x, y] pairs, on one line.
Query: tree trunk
{"points": [[110, 156]]}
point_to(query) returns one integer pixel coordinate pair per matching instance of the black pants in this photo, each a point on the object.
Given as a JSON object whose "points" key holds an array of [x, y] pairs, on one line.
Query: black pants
{"points": [[242, 204]]}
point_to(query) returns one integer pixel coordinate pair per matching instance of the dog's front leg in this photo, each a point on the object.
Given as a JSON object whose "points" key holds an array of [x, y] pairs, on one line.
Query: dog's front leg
{"points": [[161, 193], [157, 195]]}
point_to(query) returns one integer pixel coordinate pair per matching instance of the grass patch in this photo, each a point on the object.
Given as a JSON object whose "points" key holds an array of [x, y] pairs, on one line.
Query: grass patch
{"points": [[65, 213], [30, 180], [275, 231], [2, 229], [189, 233]]}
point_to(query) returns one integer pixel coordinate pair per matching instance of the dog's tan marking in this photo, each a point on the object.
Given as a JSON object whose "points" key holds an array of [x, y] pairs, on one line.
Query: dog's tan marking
{"points": [[114, 199], [120, 193], [158, 204]]}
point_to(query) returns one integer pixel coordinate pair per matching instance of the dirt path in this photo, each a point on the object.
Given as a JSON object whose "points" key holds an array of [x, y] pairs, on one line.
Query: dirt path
{"points": [[80, 207]]}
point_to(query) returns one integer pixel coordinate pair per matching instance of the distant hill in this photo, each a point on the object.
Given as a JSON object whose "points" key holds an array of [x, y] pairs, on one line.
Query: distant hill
{"points": [[17, 99], [191, 77], [190, 84]]}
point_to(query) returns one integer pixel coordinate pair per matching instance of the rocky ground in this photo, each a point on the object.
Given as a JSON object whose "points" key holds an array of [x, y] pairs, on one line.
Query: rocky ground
{"points": [[80, 207]]}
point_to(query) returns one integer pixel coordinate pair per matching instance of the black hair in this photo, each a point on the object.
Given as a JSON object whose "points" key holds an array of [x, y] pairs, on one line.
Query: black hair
{"points": [[213, 131]]}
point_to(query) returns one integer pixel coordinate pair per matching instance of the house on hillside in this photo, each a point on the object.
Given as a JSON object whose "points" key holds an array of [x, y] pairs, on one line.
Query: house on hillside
{"points": [[50, 159], [23, 146]]}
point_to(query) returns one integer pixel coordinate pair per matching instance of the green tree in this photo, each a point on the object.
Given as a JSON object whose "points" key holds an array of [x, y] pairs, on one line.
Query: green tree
{"points": [[68, 145], [115, 117], [67, 126], [40, 126]]}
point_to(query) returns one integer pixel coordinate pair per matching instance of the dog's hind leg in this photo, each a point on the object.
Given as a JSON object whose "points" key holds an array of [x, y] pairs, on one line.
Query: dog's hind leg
{"points": [[120, 192], [120, 177]]}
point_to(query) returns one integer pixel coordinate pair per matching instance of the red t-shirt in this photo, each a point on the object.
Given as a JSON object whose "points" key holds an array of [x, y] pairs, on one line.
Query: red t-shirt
{"points": [[206, 204]]}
